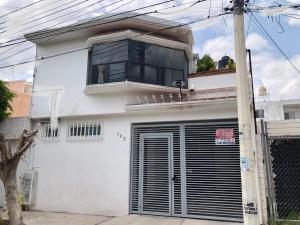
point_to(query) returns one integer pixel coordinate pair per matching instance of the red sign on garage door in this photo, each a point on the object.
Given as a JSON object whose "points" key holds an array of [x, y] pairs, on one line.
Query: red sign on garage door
{"points": [[224, 136]]}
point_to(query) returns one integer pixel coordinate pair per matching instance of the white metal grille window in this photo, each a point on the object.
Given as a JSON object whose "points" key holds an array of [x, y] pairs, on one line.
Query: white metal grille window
{"points": [[84, 130], [50, 133]]}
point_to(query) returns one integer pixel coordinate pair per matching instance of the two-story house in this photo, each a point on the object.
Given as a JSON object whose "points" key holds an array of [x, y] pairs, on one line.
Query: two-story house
{"points": [[133, 128]]}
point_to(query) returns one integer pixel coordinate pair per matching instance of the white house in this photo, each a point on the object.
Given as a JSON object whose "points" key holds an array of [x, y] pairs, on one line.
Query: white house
{"points": [[123, 139], [278, 110]]}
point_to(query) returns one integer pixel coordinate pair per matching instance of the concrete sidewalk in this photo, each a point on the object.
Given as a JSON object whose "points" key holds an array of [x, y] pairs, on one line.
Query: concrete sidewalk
{"points": [[47, 218]]}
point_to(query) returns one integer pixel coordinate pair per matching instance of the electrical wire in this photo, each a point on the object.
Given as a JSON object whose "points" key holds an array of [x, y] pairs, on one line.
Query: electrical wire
{"points": [[75, 26], [44, 16], [185, 9], [73, 18], [42, 12], [275, 43], [85, 48], [105, 13], [209, 8], [80, 16], [1, 16], [23, 50], [193, 4], [249, 24], [293, 17], [54, 25]]}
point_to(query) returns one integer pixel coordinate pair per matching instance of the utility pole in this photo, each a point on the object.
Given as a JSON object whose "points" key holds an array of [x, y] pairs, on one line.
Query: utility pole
{"points": [[247, 143]]}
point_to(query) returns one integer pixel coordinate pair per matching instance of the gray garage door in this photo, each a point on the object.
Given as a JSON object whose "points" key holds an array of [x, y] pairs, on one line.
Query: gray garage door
{"points": [[180, 170], [155, 188]]}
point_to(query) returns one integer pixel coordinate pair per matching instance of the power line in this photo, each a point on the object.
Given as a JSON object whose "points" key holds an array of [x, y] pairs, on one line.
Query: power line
{"points": [[146, 33], [60, 23], [21, 8], [274, 42], [249, 24], [119, 19], [183, 10], [293, 17], [193, 3], [92, 11], [38, 13], [77, 17], [278, 6], [29, 22], [23, 50], [75, 26]]}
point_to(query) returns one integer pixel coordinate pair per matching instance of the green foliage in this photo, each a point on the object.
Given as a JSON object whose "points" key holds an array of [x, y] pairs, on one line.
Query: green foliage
{"points": [[293, 216], [3, 222], [284, 222], [6, 97], [206, 63], [289, 220], [230, 64]]}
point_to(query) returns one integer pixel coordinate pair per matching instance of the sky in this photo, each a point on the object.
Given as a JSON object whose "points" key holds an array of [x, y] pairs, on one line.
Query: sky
{"points": [[213, 36]]}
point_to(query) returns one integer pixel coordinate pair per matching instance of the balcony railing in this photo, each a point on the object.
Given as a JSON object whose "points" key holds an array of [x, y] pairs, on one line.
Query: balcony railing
{"points": [[209, 95]]}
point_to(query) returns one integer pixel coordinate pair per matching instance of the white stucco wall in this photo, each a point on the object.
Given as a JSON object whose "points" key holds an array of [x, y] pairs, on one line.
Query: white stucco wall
{"points": [[93, 177], [213, 81], [62, 80], [274, 110]]}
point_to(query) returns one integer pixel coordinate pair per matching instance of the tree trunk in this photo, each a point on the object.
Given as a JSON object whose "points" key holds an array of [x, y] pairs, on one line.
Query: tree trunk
{"points": [[11, 194]]}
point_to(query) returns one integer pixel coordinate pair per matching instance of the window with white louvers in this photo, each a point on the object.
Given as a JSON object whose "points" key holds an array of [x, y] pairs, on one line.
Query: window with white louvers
{"points": [[84, 131]]}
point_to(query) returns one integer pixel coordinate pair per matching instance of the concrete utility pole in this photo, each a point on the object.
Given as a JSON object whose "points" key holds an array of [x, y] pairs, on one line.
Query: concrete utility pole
{"points": [[247, 143]]}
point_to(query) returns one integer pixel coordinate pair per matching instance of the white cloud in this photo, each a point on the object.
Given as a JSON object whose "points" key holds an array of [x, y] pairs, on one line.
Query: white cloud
{"points": [[276, 73], [218, 47], [294, 21], [256, 42], [280, 78]]}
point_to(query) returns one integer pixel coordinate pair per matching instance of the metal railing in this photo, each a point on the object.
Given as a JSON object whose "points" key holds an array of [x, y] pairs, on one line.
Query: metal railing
{"points": [[220, 94]]}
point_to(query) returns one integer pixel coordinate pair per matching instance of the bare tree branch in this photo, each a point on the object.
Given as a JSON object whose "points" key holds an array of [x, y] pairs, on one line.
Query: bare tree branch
{"points": [[3, 149], [26, 135], [21, 151], [8, 169]]}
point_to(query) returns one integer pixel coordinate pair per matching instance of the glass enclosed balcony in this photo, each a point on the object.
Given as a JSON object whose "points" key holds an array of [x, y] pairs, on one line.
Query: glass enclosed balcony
{"points": [[129, 60]]}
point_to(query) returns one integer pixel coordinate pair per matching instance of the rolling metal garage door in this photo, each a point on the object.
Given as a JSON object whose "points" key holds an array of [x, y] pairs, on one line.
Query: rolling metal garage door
{"points": [[213, 180], [203, 178]]}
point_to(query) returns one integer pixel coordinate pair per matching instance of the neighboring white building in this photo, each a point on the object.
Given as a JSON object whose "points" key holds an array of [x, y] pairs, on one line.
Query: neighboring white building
{"points": [[122, 138], [278, 110]]}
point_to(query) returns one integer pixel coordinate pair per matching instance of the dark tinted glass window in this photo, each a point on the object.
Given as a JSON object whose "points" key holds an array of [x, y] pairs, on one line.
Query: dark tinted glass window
{"points": [[260, 113], [134, 71], [117, 72], [150, 76], [138, 62], [109, 53]]}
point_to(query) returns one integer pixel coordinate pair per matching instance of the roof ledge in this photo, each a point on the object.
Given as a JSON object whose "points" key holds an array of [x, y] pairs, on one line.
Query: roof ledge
{"points": [[212, 73], [129, 87]]}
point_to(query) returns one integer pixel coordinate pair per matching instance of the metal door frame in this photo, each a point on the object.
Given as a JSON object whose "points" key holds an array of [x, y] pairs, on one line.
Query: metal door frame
{"points": [[169, 136]]}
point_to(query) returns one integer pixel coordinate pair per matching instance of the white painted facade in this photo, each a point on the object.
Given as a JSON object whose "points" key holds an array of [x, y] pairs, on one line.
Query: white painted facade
{"points": [[93, 176], [275, 110]]}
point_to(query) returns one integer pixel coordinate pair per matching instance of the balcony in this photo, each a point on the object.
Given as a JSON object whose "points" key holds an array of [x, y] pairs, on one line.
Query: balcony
{"points": [[129, 87], [177, 100], [129, 65]]}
